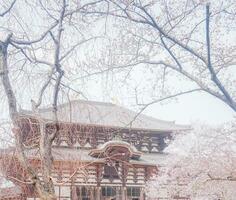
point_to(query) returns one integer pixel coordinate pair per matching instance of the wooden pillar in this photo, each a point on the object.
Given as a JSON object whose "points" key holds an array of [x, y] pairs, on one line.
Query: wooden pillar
{"points": [[98, 193], [123, 193], [91, 196], [99, 169], [73, 193], [142, 194], [125, 170], [73, 186], [92, 193]]}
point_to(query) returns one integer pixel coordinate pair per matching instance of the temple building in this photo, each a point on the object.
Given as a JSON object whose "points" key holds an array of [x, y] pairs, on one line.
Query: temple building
{"points": [[102, 151]]}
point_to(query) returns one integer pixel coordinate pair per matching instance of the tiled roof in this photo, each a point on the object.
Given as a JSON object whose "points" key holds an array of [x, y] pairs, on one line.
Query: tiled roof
{"points": [[105, 114], [73, 154]]}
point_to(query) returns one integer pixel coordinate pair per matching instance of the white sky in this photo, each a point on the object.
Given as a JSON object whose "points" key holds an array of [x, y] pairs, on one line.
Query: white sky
{"points": [[193, 107], [186, 109]]}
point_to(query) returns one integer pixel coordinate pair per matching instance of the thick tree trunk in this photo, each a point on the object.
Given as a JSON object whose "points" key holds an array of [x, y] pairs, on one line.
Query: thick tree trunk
{"points": [[45, 188], [46, 158]]}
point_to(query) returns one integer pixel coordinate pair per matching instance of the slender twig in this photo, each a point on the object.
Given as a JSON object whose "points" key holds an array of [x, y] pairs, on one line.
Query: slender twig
{"points": [[145, 106]]}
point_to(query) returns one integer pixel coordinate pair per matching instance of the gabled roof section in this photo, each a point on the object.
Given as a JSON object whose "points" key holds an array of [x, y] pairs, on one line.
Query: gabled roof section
{"points": [[102, 150], [106, 114]]}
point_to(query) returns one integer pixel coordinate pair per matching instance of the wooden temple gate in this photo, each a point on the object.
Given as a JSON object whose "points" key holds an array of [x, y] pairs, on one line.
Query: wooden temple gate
{"points": [[95, 157]]}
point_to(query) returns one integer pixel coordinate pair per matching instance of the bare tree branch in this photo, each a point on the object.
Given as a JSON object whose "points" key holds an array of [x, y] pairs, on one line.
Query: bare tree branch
{"points": [[214, 77], [8, 10], [43, 89]]}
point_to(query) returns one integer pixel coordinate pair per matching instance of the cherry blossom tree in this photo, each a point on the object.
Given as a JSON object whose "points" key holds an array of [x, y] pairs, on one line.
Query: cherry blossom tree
{"points": [[181, 47], [201, 165]]}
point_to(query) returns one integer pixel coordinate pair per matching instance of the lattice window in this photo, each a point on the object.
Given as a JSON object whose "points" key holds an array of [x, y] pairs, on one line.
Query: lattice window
{"points": [[133, 193], [83, 193], [108, 191]]}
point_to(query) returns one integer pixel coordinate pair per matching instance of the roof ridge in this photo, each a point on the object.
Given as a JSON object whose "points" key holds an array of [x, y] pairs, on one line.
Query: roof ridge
{"points": [[49, 107]]}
